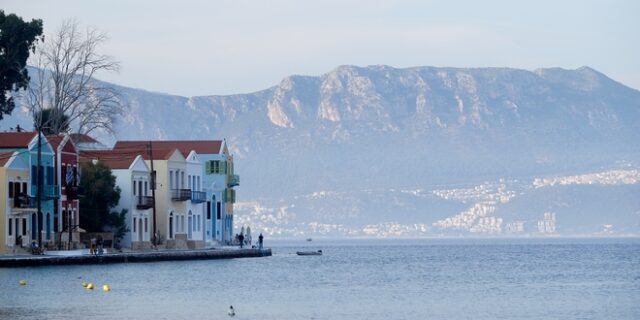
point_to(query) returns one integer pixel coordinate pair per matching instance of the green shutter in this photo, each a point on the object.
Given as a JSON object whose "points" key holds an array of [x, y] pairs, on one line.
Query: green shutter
{"points": [[207, 169], [223, 167]]}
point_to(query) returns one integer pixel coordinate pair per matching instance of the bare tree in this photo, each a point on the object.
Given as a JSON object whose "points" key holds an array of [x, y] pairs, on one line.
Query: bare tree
{"points": [[67, 63]]}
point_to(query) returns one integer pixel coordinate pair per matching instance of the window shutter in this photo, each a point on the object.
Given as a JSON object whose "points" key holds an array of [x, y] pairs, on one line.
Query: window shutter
{"points": [[223, 167]]}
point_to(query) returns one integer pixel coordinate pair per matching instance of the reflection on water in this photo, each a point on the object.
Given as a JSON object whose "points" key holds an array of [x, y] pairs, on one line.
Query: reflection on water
{"points": [[424, 279]]}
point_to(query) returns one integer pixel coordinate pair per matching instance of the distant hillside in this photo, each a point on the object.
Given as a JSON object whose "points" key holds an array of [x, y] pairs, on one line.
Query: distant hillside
{"points": [[357, 134]]}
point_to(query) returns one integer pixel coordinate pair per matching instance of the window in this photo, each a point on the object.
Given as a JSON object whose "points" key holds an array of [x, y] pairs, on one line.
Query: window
{"points": [[10, 226], [218, 210], [209, 210], [24, 226], [134, 187], [171, 225], [24, 188], [198, 218], [146, 187], [134, 224], [63, 174], [216, 167], [171, 179], [50, 175], [145, 225], [182, 179], [34, 175], [189, 177], [11, 189], [140, 188]]}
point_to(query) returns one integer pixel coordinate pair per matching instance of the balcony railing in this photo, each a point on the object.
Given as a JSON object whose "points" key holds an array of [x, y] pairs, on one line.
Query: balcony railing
{"points": [[198, 196], [180, 194], [24, 201], [49, 191], [144, 202], [74, 192], [234, 180]]}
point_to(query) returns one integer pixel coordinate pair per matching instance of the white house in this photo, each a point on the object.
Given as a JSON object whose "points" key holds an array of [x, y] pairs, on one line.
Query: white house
{"points": [[133, 177]]}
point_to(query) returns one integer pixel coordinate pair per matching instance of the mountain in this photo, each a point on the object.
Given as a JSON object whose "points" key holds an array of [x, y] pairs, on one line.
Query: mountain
{"points": [[368, 151]]}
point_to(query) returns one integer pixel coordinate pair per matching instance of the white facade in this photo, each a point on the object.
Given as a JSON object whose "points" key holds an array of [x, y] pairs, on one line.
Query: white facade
{"points": [[135, 186], [195, 208]]}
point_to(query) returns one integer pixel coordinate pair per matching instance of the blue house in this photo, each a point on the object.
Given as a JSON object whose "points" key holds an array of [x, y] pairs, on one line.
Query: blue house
{"points": [[39, 225]]}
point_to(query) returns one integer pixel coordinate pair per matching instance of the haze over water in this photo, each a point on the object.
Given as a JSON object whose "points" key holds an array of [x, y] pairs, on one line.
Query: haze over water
{"points": [[363, 279]]}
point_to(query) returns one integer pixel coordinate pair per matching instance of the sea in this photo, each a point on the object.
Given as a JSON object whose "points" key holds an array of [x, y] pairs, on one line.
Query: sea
{"points": [[554, 278]]}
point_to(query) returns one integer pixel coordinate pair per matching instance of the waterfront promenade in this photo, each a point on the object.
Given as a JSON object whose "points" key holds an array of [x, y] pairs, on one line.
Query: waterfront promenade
{"points": [[130, 257]]}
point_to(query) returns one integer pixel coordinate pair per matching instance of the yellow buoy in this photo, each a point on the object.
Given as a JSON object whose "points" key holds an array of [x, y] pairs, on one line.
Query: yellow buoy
{"points": [[22, 282], [84, 284], [106, 288], [90, 286]]}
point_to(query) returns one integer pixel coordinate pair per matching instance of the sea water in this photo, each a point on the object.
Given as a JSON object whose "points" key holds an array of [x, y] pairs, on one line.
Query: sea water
{"points": [[354, 279]]}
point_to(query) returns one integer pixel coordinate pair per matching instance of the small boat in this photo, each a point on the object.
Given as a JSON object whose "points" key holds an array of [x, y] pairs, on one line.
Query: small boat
{"points": [[309, 253], [309, 239]]}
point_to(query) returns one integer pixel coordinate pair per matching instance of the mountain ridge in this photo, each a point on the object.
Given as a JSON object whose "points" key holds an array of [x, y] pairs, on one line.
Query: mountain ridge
{"points": [[355, 129]]}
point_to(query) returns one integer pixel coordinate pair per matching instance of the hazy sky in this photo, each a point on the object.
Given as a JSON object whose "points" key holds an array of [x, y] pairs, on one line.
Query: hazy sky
{"points": [[224, 47]]}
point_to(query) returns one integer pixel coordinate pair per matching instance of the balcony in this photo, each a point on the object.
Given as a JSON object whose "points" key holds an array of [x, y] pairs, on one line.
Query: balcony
{"points": [[233, 180], [198, 196], [144, 202], [23, 201], [74, 192], [49, 192], [180, 194]]}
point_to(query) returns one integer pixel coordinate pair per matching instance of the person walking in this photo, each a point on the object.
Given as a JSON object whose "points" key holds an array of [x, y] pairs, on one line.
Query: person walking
{"points": [[260, 239], [93, 247], [241, 238]]}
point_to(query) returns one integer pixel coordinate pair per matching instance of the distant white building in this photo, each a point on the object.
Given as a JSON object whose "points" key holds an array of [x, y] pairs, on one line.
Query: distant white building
{"points": [[548, 223], [515, 227]]}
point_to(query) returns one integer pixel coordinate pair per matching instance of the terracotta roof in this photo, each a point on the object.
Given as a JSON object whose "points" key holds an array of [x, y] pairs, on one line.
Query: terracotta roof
{"points": [[16, 139], [56, 140], [185, 146], [82, 138], [4, 158], [112, 158]]}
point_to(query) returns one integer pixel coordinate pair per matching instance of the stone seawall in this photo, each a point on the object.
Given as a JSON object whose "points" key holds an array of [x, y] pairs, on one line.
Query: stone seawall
{"points": [[148, 256]]}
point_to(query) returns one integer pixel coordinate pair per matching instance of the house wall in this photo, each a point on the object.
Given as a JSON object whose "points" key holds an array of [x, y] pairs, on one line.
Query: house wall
{"points": [[220, 230], [66, 158], [4, 209], [7, 238], [125, 179], [47, 205], [195, 220]]}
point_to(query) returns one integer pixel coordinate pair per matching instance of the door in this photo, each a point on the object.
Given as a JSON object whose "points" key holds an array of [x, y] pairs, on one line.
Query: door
{"points": [[140, 230], [190, 226]]}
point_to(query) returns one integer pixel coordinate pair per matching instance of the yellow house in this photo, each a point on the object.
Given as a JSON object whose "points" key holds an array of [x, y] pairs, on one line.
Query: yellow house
{"points": [[15, 204]]}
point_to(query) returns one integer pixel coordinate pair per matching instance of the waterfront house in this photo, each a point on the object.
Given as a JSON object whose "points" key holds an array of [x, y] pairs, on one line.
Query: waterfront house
{"points": [[218, 181], [133, 177], [172, 196], [195, 207], [26, 146], [14, 202], [66, 213]]}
